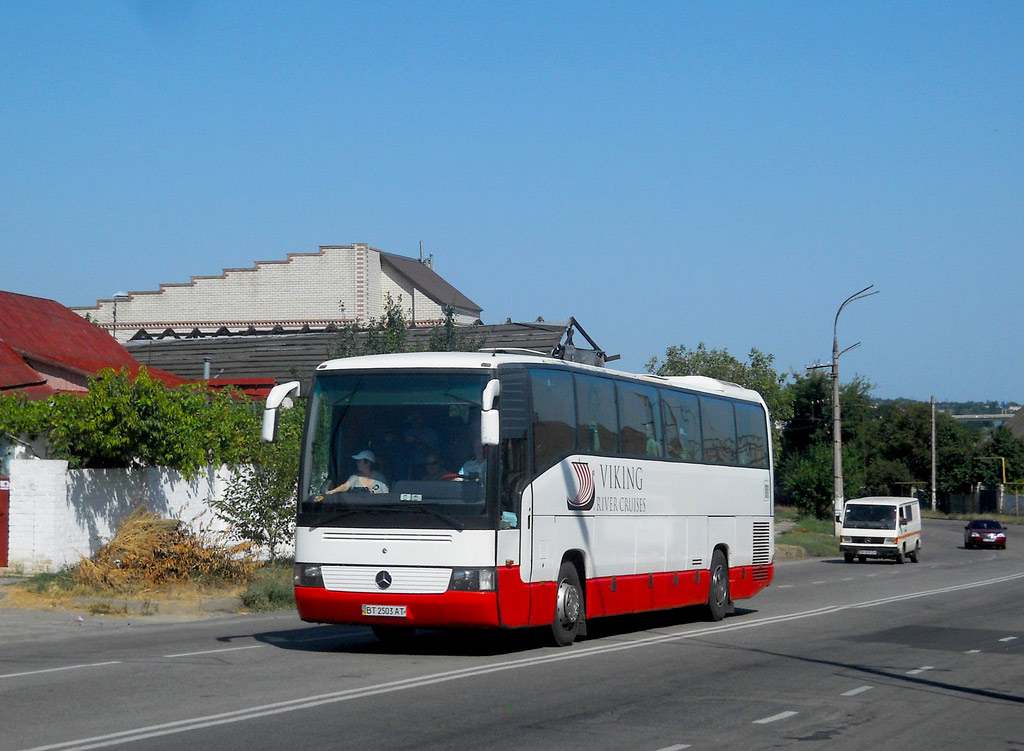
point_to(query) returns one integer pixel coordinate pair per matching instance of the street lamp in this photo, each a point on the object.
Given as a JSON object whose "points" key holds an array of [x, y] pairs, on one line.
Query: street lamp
{"points": [[837, 425]]}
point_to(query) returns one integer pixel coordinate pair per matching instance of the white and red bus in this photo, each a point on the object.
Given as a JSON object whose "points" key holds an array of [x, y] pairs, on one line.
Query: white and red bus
{"points": [[507, 490]]}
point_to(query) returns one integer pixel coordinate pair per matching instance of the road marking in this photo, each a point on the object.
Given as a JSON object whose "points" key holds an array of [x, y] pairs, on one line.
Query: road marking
{"points": [[379, 689], [920, 670], [820, 582], [972, 652], [677, 747], [66, 667], [855, 691], [215, 651], [1008, 638], [774, 718]]}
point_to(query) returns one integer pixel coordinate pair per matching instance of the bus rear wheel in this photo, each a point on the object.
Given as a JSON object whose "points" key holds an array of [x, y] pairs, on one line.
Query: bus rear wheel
{"points": [[718, 594], [568, 606]]}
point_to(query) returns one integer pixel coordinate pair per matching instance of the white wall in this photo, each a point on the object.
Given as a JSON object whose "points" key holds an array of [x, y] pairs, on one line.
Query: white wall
{"points": [[58, 516]]}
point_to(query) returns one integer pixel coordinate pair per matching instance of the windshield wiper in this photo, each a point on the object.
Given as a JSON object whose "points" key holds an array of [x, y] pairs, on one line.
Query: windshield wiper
{"points": [[451, 520]]}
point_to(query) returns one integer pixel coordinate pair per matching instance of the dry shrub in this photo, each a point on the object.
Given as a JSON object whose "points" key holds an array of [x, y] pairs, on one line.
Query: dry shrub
{"points": [[150, 552]]}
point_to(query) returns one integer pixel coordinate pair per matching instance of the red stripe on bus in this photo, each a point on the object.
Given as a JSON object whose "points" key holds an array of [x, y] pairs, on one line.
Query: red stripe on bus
{"points": [[517, 603]]}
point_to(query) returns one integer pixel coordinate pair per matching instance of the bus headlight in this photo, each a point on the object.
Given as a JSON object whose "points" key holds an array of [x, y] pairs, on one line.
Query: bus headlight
{"points": [[890, 540], [845, 539], [472, 580], [307, 575]]}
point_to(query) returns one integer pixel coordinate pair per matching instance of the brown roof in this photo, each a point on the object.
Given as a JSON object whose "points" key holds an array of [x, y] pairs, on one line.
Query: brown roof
{"points": [[430, 282]]}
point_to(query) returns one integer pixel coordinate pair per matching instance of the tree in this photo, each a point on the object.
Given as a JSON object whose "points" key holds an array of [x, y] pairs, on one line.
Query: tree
{"points": [[758, 373], [806, 479], [136, 421], [260, 503], [382, 335], [449, 337]]}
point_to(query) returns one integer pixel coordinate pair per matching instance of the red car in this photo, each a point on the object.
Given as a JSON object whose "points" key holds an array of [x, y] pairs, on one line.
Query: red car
{"points": [[985, 533]]}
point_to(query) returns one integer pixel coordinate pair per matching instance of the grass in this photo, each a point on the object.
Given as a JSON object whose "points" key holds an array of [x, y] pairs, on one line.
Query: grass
{"points": [[271, 589], [804, 536]]}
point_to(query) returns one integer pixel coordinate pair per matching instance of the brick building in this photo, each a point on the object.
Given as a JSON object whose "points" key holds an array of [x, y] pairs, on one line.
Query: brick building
{"points": [[337, 285]]}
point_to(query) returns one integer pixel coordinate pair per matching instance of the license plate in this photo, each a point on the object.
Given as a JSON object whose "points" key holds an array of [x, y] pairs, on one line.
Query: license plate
{"points": [[385, 611]]}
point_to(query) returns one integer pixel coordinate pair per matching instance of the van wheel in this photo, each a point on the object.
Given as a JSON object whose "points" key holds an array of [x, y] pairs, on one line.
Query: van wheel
{"points": [[718, 594], [848, 557], [915, 555], [900, 558], [568, 606]]}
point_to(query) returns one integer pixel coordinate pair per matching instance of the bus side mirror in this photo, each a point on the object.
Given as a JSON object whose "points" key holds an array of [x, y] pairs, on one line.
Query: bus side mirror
{"points": [[279, 397], [489, 414]]}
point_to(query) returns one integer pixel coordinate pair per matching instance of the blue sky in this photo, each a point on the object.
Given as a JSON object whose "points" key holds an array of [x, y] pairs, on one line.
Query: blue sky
{"points": [[669, 173]]}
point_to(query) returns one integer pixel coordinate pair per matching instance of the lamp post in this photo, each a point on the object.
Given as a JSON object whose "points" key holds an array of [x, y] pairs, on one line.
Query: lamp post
{"points": [[118, 297], [837, 423]]}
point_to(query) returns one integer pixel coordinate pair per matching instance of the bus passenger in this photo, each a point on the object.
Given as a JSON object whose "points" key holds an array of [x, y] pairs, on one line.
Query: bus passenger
{"points": [[432, 468], [366, 478]]}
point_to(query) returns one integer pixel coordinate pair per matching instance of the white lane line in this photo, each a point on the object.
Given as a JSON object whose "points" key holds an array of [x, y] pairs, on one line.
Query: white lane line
{"points": [[855, 691], [55, 670], [820, 582], [774, 718], [575, 653], [973, 652], [677, 747], [918, 671], [1008, 638], [215, 651]]}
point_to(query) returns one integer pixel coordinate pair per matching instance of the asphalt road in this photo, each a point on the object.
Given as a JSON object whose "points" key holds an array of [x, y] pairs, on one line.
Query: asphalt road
{"points": [[843, 656]]}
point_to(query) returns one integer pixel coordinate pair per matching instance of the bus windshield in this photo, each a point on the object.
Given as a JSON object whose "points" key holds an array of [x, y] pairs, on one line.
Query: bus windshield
{"points": [[382, 448]]}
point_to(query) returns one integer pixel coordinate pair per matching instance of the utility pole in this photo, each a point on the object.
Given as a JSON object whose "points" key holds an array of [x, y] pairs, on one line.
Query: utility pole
{"points": [[933, 455], [837, 423]]}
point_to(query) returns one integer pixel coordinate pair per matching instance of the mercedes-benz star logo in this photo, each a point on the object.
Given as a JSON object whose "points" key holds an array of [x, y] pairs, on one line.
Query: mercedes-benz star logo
{"points": [[383, 579]]}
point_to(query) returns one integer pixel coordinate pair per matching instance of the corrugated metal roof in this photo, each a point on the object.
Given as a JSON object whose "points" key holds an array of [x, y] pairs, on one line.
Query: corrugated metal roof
{"points": [[295, 356]]}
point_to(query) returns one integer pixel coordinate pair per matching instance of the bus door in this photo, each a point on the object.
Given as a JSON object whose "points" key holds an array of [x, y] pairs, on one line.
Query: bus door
{"points": [[515, 563]]}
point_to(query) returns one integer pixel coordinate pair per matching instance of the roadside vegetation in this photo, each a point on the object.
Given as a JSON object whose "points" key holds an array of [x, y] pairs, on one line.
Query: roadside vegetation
{"points": [[152, 560]]}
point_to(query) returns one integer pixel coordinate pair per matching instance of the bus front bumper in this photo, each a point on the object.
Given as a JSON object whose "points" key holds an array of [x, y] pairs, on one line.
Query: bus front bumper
{"points": [[446, 610]]}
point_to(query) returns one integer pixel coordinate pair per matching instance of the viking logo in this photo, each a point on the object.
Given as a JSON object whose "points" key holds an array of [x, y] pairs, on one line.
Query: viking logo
{"points": [[584, 500]]}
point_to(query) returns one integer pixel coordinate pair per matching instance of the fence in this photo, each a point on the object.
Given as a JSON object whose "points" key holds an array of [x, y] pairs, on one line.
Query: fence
{"points": [[1001, 499], [57, 515]]}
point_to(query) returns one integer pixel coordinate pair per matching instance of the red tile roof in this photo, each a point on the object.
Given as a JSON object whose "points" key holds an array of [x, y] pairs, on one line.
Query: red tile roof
{"points": [[33, 329]]}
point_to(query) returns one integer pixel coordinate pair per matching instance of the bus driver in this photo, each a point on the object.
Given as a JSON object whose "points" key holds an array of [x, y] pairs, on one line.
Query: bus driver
{"points": [[366, 478]]}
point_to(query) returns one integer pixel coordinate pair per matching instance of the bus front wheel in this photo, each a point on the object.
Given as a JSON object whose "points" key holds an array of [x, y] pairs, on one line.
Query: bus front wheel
{"points": [[718, 594], [568, 606]]}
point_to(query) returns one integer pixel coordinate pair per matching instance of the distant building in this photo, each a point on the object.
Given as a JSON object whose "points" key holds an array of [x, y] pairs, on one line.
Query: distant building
{"points": [[336, 286]]}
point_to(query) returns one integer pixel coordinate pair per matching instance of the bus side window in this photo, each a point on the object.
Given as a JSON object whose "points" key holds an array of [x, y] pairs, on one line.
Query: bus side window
{"points": [[554, 416], [682, 425], [719, 430], [596, 425], [752, 435], [639, 421]]}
